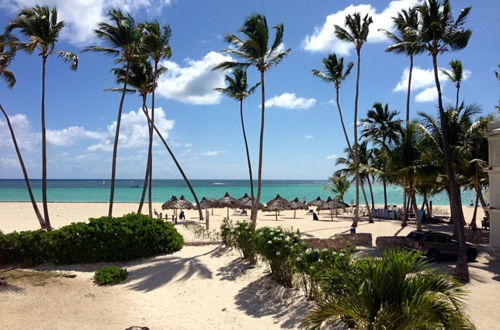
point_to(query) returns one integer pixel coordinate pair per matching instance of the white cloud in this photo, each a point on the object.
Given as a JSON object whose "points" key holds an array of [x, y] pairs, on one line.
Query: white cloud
{"points": [[195, 82], [68, 136], [290, 101], [423, 80], [82, 16], [331, 157], [211, 153], [26, 138], [308, 137], [134, 130], [323, 38]]}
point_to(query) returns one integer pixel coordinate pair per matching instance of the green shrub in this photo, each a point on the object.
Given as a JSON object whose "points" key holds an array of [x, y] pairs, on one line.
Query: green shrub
{"points": [[242, 237], [315, 264], [103, 239], [110, 275], [280, 249]]}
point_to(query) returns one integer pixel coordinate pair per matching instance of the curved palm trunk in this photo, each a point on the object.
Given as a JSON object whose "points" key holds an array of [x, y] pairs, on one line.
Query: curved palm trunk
{"points": [[246, 149], [384, 185], [115, 144], [44, 151], [145, 183], [404, 222], [461, 270], [256, 201], [414, 205], [371, 191], [370, 219], [408, 92], [342, 120], [188, 183], [479, 194], [23, 168], [150, 150], [356, 155], [473, 221]]}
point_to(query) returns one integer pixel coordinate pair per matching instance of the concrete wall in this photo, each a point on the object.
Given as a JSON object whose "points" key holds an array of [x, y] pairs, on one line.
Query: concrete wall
{"points": [[494, 173]]}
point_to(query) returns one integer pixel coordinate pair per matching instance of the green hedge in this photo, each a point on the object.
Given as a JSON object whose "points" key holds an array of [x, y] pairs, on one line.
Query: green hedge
{"points": [[103, 239], [110, 275]]}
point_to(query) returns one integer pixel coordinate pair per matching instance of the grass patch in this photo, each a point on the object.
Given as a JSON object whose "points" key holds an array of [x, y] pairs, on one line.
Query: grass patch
{"points": [[32, 277]]}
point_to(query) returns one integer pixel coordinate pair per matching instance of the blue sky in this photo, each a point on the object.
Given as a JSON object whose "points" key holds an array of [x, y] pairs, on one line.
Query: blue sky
{"points": [[303, 134]]}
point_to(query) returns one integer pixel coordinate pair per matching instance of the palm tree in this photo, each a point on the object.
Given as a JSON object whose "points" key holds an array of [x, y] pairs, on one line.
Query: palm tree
{"points": [[455, 75], [334, 73], [256, 51], [238, 89], [357, 34], [156, 45], [7, 53], [122, 38], [441, 33], [338, 185], [380, 124], [398, 291], [406, 42], [41, 28]]}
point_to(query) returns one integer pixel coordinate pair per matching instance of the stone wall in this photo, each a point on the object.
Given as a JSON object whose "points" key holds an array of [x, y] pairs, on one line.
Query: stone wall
{"points": [[340, 241], [388, 242]]}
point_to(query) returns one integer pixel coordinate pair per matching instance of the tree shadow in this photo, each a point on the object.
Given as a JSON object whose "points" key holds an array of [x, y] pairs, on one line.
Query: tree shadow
{"points": [[234, 269], [164, 269], [264, 297]]}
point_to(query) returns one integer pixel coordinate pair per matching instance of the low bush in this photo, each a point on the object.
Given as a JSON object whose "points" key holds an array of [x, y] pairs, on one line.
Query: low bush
{"points": [[280, 248], [110, 275], [103, 239], [242, 237]]}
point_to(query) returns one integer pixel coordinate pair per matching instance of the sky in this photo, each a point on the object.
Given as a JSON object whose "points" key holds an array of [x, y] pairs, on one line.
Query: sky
{"points": [[303, 135]]}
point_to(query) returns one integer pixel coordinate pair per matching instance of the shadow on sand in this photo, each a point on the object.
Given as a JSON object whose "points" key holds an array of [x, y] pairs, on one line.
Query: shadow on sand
{"points": [[264, 297], [234, 269]]}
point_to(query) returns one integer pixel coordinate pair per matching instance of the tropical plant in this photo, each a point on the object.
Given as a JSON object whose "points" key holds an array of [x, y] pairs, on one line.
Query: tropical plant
{"points": [[338, 185], [256, 51], [455, 75], [380, 125], [356, 32], [398, 291], [110, 275], [41, 27], [440, 33], [238, 89], [122, 39], [156, 45], [407, 42], [335, 74]]}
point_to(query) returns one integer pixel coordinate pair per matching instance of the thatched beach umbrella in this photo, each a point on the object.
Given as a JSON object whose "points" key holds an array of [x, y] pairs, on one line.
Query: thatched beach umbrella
{"points": [[277, 204], [228, 202], [315, 202], [297, 205], [206, 203], [246, 202], [331, 204]]}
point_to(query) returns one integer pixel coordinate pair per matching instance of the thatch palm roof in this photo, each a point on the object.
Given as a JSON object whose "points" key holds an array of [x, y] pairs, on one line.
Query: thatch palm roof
{"points": [[315, 202]]}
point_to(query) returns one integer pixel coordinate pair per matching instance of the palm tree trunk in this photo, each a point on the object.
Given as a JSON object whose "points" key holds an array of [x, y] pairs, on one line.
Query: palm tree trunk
{"points": [[384, 184], [356, 155], [246, 149], [115, 144], [475, 210], [23, 168], [371, 191], [404, 222], [483, 202], [150, 151], [256, 201], [342, 121], [461, 270], [415, 209], [146, 174], [408, 93], [458, 96], [370, 219], [188, 183], [44, 151]]}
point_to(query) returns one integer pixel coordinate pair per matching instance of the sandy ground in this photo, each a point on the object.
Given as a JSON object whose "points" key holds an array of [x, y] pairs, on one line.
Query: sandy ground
{"points": [[197, 287]]}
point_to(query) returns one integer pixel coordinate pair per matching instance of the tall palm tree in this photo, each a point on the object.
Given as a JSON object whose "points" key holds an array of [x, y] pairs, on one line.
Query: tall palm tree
{"points": [[398, 291], [256, 51], [407, 42], [455, 75], [380, 124], [156, 45], [238, 89], [338, 185], [40, 26], [335, 74], [7, 52], [356, 32], [441, 33], [122, 39]]}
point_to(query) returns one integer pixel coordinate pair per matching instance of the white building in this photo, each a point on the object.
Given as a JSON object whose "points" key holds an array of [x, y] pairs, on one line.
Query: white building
{"points": [[494, 172]]}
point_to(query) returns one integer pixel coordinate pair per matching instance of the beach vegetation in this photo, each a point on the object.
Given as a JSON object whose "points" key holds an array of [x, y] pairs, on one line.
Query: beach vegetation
{"points": [[242, 237], [110, 275]]}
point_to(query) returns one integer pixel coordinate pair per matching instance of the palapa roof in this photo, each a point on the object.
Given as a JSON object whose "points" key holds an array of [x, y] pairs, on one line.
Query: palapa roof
{"points": [[174, 203], [277, 204], [206, 203], [331, 204], [315, 202], [227, 201], [297, 205]]}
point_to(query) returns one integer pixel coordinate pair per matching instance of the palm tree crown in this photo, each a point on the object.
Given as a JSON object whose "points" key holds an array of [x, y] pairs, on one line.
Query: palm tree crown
{"points": [[406, 40], [334, 70], [357, 29], [156, 40], [7, 53], [456, 74], [380, 124], [237, 87]]}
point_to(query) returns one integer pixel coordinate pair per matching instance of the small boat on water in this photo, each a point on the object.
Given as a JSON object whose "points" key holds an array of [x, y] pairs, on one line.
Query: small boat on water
{"points": [[136, 186]]}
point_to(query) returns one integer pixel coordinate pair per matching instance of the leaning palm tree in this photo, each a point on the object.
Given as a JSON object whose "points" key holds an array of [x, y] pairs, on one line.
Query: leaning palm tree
{"points": [[335, 74], [406, 42], [238, 89], [338, 185], [455, 75], [40, 26], [122, 39], [441, 33], [356, 32], [156, 45], [382, 126], [398, 291], [256, 51]]}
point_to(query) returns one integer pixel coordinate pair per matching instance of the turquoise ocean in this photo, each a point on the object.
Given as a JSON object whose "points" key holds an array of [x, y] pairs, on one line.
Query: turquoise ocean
{"points": [[129, 190]]}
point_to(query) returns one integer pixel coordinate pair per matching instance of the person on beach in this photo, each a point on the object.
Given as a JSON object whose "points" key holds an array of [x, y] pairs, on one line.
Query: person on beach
{"points": [[182, 216], [315, 216]]}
